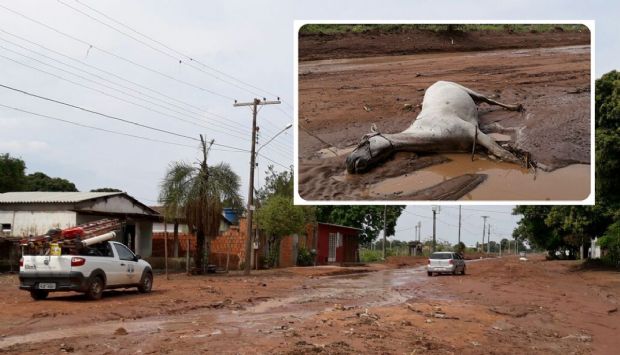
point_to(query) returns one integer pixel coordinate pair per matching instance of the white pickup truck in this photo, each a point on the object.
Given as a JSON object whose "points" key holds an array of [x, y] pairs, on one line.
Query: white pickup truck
{"points": [[104, 265]]}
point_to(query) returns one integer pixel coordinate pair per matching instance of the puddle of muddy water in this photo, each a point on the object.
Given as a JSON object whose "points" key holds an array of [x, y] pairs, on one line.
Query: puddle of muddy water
{"points": [[505, 181]]}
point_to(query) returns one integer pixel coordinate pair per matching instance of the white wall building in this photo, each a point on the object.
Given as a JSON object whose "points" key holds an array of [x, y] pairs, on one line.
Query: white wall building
{"points": [[33, 213]]}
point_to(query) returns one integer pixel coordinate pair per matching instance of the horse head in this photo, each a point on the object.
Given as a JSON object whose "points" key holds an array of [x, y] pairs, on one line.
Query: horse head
{"points": [[373, 148]]}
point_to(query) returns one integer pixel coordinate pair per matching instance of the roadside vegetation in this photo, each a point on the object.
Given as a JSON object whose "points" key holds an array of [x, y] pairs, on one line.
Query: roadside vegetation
{"points": [[358, 28], [563, 230]]}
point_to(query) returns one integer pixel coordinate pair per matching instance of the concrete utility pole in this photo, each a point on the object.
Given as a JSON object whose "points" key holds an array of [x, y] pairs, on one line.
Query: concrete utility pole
{"points": [[436, 210], [248, 242], [419, 231], [384, 229], [484, 226], [459, 224], [489, 239]]}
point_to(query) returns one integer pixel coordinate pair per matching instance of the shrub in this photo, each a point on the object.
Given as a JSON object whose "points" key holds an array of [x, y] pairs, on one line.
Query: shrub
{"points": [[305, 257]]}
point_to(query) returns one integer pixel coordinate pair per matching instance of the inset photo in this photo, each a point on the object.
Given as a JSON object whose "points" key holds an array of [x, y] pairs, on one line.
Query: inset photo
{"points": [[444, 112]]}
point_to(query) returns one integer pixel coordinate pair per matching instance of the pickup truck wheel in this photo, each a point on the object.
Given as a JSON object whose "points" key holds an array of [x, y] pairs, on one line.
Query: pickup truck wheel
{"points": [[429, 273], [147, 283], [95, 288], [38, 295]]}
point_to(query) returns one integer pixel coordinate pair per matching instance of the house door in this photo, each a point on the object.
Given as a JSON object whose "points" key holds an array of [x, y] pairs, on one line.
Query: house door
{"points": [[333, 244]]}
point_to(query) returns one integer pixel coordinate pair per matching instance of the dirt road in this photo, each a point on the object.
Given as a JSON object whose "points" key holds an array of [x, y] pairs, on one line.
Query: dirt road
{"points": [[500, 306], [339, 100]]}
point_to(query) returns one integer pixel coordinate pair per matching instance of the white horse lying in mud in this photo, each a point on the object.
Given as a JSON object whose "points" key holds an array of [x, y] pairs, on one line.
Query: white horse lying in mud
{"points": [[448, 122]]}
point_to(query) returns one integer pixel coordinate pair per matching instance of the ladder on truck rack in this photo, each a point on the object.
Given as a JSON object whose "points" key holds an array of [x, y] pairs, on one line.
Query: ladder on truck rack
{"points": [[72, 237]]}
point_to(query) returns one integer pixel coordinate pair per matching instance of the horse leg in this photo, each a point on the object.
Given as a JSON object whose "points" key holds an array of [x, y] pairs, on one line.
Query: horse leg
{"points": [[478, 98], [494, 148]]}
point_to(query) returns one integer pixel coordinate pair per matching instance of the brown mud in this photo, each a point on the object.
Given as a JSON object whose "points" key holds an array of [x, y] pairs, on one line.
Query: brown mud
{"points": [[339, 99], [381, 43], [501, 306]]}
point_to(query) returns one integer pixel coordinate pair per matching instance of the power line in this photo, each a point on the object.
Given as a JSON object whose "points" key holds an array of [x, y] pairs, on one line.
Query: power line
{"points": [[97, 113], [111, 131], [488, 211], [108, 94], [196, 111], [95, 128], [275, 162], [115, 89], [163, 45], [189, 61], [199, 109], [156, 49], [110, 116], [91, 46]]}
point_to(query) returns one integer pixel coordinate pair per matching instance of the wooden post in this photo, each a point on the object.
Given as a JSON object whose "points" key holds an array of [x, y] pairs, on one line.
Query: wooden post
{"points": [[228, 251], [166, 248], [187, 257], [250, 207]]}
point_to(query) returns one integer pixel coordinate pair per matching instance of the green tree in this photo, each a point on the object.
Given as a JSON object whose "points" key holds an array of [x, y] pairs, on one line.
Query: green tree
{"points": [[368, 218], [41, 182], [12, 173], [199, 192], [276, 183], [276, 215], [106, 189]]}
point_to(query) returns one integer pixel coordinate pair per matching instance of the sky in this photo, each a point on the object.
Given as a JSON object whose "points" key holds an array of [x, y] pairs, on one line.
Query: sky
{"points": [[237, 52]]}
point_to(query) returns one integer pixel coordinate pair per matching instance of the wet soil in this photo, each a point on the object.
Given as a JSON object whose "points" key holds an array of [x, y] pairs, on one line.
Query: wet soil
{"points": [[502, 306], [381, 43], [339, 99]]}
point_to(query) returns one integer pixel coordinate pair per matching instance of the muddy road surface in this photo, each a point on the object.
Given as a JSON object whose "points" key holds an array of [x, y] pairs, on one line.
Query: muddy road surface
{"points": [[502, 306], [339, 100]]}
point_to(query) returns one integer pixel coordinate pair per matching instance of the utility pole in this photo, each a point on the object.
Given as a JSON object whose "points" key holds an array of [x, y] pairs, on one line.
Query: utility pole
{"points": [[484, 226], [384, 229], [248, 242], [459, 224], [419, 231], [436, 210], [489, 239]]}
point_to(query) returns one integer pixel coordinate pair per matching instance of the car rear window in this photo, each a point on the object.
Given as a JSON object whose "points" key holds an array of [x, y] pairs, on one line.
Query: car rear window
{"points": [[441, 256]]}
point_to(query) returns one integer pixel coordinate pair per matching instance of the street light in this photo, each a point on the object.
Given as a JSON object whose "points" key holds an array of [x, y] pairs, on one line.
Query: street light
{"points": [[274, 137]]}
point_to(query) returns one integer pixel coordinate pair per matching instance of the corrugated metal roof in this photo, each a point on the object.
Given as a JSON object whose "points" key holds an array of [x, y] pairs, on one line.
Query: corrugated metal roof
{"points": [[52, 197]]}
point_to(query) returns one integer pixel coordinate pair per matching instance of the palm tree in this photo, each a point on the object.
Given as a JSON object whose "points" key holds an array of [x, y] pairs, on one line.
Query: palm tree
{"points": [[198, 194]]}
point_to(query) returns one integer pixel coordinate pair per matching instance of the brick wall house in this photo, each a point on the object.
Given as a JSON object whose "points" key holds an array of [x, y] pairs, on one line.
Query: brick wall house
{"points": [[334, 244]]}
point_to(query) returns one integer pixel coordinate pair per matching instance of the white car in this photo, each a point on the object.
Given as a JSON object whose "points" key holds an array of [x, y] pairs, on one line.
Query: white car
{"points": [[101, 266], [445, 262]]}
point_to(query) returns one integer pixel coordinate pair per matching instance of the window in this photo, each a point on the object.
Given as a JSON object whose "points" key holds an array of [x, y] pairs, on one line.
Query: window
{"points": [[99, 249], [441, 256], [6, 228], [124, 253]]}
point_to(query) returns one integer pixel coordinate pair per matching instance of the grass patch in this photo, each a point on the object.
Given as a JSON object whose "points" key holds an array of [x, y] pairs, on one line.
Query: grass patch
{"points": [[388, 27]]}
